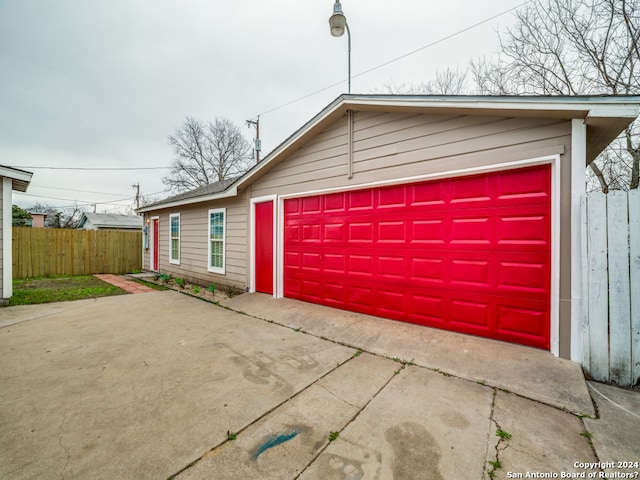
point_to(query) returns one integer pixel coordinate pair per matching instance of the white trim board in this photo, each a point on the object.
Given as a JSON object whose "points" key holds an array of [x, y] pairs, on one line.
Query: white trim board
{"points": [[252, 241], [7, 253]]}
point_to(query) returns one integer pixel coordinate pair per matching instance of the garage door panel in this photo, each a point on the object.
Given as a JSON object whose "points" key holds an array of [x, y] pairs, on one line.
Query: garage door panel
{"points": [[470, 254], [427, 232], [427, 310], [470, 315], [470, 272]]}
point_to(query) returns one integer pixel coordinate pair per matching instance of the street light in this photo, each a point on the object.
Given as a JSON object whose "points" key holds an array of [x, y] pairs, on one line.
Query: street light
{"points": [[338, 24]]}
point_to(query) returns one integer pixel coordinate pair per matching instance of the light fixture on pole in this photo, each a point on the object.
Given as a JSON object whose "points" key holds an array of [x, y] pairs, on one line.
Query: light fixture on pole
{"points": [[338, 24]]}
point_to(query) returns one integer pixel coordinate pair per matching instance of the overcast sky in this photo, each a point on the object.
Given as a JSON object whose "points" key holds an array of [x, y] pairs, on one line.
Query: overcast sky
{"points": [[88, 84]]}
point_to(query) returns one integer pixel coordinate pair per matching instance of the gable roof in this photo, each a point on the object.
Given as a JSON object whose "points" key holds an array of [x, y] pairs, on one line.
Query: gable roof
{"points": [[605, 116], [109, 220], [20, 179]]}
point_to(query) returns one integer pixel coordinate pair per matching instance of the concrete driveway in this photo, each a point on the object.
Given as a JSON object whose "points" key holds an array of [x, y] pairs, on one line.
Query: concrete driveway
{"points": [[161, 385]]}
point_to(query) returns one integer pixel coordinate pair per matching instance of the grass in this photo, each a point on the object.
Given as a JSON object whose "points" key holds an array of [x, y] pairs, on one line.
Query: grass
{"points": [[29, 291]]}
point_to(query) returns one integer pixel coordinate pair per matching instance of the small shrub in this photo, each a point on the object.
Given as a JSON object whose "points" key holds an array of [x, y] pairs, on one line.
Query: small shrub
{"points": [[195, 289], [212, 288], [180, 282]]}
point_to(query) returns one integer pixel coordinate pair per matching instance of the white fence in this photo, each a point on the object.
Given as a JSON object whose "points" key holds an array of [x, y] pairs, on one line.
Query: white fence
{"points": [[612, 287]]}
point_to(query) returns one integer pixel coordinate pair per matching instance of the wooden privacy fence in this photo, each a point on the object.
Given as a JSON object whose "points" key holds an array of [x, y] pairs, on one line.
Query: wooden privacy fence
{"points": [[611, 291], [55, 251]]}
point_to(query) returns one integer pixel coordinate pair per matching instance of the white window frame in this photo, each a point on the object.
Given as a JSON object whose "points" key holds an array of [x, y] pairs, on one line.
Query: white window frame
{"points": [[174, 261], [210, 268]]}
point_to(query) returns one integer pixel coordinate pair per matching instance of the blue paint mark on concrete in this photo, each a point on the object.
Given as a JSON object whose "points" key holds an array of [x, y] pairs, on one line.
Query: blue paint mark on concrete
{"points": [[274, 441]]}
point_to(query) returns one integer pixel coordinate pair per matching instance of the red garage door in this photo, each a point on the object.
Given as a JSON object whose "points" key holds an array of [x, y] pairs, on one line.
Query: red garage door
{"points": [[469, 254]]}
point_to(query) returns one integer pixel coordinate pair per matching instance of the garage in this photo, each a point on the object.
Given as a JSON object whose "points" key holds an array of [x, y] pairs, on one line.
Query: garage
{"points": [[470, 254]]}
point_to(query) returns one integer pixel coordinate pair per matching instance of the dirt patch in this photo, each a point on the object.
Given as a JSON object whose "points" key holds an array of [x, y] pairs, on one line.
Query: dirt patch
{"points": [[212, 293]]}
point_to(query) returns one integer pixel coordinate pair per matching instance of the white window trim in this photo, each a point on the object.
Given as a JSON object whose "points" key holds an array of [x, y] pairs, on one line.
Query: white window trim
{"points": [[211, 269], [174, 261]]}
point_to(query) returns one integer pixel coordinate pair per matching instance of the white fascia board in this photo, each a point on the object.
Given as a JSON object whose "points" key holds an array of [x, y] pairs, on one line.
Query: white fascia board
{"points": [[232, 192], [16, 174], [628, 110], [626, 107]]}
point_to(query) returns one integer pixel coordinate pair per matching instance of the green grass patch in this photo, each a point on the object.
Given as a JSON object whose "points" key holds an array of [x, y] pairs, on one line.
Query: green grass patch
{"points": [[152, 285], [30, 291]]}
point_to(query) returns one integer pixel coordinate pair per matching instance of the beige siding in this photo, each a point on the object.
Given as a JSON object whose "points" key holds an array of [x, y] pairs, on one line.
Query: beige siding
{"points": [[390, 146], [194, 247]]}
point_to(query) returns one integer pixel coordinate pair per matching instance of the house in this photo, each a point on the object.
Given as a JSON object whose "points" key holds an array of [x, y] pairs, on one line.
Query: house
{"points": [[109, 221], [38, 219], [18, 180], [455, 212]]}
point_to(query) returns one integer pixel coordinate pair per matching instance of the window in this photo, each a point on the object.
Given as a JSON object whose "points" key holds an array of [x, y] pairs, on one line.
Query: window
{"points": [[174, 238], [217, 227]]}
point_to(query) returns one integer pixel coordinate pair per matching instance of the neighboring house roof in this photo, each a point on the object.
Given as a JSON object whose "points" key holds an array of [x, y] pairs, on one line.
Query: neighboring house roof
{"points": [[605, 116], [20, 178], [109, 220]]}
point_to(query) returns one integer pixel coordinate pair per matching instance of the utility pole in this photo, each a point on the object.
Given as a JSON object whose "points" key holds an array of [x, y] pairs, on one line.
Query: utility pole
{"points": [[137, 187], [257, 142]]}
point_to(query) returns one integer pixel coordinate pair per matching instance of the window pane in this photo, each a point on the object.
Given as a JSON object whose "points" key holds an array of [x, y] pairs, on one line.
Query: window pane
{"points": [[175, 226], [216, 226], [174, 248], [216, 254]]}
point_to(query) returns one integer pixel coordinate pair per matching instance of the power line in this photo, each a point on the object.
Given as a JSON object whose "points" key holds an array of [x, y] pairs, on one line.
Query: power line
{"points": [[112, 202], [79, 191], [459, 32], [86, 202], [93, 168]]}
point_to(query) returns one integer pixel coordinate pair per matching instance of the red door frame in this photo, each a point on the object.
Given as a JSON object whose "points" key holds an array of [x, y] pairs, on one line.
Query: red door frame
{"points": [[155, 243], [263, 242]]}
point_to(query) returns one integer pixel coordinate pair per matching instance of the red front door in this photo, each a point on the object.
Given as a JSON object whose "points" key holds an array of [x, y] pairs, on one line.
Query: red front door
{"points": [[156, 244], [264, 247], [470, 254]]}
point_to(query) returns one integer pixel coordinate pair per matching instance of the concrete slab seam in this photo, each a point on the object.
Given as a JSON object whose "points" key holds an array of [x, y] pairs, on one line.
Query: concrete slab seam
{"points": [[258, 419], [405, 362], [353, 419], [47, 314], [66, 451], [587, 434], [502, 439]]}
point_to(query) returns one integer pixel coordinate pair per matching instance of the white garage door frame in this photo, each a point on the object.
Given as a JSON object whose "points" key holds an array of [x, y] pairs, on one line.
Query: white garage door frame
{"points": [[553, 160]]}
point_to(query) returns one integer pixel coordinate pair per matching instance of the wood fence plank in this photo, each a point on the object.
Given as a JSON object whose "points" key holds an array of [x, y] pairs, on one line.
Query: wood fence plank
{"points": [[619, 291], [634, 267], [50, 251], [597, 295]]}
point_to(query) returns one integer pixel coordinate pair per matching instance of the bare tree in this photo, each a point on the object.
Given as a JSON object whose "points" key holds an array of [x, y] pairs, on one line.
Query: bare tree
{"points": [[66, 217], [575, 47], [447, 82], [206, 153]]}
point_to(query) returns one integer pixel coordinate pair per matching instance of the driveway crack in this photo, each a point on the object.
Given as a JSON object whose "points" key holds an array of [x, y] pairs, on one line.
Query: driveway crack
{"points": [[61, 444]]}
